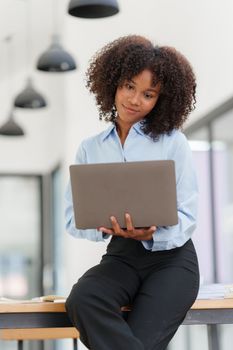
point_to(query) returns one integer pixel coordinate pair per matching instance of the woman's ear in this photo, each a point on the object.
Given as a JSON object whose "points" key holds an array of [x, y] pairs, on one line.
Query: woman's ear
{"points": [[113, 112]]}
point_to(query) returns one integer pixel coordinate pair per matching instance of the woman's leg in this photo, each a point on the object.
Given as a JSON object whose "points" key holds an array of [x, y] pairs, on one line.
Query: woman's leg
{"points": [[94, 306], [163, 300]]}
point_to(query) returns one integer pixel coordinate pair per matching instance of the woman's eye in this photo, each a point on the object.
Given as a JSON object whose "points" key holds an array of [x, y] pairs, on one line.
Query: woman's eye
{"points": [[129, 86], [148, 96]]}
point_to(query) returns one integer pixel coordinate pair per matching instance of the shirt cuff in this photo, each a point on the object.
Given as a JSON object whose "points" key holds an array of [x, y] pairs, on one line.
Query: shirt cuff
{"points": [[148, 244]]}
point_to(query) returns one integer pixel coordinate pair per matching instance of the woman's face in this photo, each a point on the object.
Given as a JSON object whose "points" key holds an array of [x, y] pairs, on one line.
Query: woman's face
{"points": [[136, 97]]}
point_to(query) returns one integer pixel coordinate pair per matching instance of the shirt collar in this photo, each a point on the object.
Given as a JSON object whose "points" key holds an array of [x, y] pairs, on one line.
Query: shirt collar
{"points": [[136, 127], [107, 132]]}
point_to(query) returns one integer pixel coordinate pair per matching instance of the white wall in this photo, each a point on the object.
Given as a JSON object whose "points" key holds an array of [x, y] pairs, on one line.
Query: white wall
{"points": [[43, 144], [30, 22], [200, 29]]}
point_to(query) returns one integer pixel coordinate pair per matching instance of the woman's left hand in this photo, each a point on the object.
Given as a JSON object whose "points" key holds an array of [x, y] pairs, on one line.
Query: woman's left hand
{"points": [[140, 234]]}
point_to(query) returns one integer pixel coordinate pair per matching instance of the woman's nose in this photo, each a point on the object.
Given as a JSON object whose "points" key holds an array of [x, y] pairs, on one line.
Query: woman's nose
{"points": [[134, 99]]}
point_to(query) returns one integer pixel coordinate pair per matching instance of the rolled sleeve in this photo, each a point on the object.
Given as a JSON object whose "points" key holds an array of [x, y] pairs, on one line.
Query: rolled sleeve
{"points": [[90, 234]]}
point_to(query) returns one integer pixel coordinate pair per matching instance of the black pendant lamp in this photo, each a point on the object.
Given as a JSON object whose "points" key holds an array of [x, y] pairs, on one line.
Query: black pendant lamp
{"points": [[93, 8], [29, 97], [11, 128], [56, 59]]}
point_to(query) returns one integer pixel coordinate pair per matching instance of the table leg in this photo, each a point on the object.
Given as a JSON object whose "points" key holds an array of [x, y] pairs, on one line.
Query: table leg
{"points": [[20, 345], [75, 344], [213, 339]]}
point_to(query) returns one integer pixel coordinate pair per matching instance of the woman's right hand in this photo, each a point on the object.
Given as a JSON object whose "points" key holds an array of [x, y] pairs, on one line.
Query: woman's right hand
{"points": [[139, 234]]}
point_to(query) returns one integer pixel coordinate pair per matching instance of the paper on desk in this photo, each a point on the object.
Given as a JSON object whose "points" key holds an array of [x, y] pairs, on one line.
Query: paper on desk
{"points": [[4, 300], [215, 291], [49, 298]]}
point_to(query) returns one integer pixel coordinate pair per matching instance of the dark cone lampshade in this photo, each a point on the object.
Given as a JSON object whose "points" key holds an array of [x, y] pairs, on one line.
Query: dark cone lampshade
{"points": [[30, 98], [93, 8], [11, 128], [56, 59]]}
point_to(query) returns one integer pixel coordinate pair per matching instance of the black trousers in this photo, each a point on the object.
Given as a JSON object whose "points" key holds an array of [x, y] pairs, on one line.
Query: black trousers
{"points": [[160, 286]]}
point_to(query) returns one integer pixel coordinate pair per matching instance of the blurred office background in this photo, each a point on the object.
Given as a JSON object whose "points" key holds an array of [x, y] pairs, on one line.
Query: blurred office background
{"points": [[37, 256]]}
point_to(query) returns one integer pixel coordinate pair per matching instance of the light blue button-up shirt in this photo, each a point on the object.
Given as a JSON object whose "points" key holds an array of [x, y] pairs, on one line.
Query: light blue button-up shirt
{"points": [[106, 147]]}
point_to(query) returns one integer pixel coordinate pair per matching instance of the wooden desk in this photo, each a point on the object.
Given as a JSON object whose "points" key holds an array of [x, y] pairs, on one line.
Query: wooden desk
{"points": [[211, 313], [35, 321], [49, 320]]}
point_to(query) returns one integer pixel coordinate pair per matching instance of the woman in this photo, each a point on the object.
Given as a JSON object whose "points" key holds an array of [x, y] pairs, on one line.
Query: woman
{"points": [[146, 93]]}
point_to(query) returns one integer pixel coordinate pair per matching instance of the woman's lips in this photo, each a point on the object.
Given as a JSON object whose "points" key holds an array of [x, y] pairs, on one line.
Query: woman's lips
{"points": [[130, 110]]}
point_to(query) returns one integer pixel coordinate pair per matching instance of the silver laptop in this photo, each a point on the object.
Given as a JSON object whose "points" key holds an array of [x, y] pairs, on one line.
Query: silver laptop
{"points": [[144, 189]]}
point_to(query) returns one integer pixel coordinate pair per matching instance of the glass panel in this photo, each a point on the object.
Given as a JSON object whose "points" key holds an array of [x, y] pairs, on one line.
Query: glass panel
{"points": [[223, 173], [19, 242], [203, 234], [58, 225], [19, 236], [222, 149]]}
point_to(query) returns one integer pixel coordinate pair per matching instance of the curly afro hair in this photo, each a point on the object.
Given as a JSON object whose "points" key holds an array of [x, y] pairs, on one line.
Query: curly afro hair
{"points": [[126, 57]]}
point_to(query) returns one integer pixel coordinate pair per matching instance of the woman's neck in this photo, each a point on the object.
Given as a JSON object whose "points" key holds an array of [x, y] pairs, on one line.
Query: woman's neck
{"points": [[122, 130]]}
